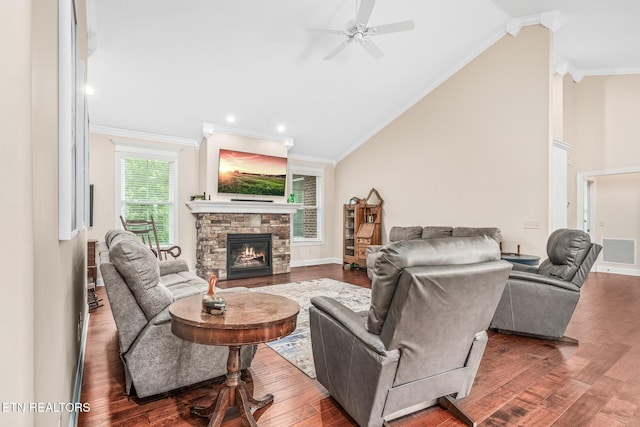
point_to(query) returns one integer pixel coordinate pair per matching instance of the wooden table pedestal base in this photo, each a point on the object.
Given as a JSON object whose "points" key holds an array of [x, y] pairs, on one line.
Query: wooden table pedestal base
{"points": [[233, 392]]}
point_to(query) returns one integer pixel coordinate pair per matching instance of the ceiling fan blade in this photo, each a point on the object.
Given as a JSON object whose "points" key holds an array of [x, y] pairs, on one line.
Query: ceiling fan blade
{"points": [[338, 49], [392, 28], [364, 12], [326, 30], [373, 49]]}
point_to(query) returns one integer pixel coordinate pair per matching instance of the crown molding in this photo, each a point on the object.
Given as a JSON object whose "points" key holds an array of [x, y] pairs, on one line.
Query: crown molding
{"points": [[124, 133], [611, 71], [305, 158], [552, 20], [562, 144], [252, 134], [564, 67]]}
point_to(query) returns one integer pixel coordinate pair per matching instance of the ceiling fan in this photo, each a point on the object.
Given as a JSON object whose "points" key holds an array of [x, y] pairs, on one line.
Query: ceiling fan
{"points": [[361, 33]]}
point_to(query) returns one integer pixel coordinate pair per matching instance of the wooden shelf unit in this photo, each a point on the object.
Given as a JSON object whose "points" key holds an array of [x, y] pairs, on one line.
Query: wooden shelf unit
{"points": [[361, 228]]}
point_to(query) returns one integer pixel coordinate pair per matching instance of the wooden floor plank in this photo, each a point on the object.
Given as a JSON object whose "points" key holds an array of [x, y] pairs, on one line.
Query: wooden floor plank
{"points": [[521, 381]]}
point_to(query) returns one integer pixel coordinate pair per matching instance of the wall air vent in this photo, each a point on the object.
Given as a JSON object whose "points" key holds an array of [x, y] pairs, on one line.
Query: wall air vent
{"points": [[621, 251]]}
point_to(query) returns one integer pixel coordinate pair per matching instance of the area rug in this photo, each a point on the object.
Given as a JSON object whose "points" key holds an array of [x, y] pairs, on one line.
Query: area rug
{"points": [[296, 347]]}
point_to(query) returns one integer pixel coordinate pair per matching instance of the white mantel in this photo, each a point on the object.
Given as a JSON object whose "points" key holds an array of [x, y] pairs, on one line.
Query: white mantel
{"points": [[228, 206]]}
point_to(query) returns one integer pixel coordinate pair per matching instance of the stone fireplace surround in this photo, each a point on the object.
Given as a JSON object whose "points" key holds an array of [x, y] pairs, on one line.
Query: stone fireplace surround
{"points": [[216, 219]]}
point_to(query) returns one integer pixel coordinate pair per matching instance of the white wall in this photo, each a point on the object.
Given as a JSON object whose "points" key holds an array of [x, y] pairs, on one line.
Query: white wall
{"points": [[307, 254], [43, 278], [103, 177], [198, 172], [474, 152]]}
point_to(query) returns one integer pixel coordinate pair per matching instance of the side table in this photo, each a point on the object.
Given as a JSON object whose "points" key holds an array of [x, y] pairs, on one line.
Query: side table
{"points": [[251, 318], [520, 258]]}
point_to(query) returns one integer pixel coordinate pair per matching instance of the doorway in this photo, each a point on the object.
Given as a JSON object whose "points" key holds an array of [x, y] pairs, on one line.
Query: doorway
{"points": [[608, 208]]}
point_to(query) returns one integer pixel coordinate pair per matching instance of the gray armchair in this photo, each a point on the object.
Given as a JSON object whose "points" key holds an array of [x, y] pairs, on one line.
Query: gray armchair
{"points": [[539, 301], [421, 342]]}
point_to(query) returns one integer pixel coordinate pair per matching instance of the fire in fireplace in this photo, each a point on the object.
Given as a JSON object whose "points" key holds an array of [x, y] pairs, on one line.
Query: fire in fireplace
{"points": [[248, 255]]}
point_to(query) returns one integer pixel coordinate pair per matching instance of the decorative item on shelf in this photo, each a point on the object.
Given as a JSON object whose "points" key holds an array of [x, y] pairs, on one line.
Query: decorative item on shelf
{"points": [[292, 198], [202, 196], [212, 303]]}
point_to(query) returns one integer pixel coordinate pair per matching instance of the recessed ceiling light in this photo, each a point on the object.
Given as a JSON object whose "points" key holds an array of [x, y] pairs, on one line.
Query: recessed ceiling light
{"points": [[230, 118], [89, 90], [282, 128]]}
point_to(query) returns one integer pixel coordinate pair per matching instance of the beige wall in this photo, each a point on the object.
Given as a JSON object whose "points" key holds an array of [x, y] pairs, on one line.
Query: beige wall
{"points": [[16, 183], [323, 253], [102, 176], [474, 152], [618, 212], [44, 278], [600, 121]]}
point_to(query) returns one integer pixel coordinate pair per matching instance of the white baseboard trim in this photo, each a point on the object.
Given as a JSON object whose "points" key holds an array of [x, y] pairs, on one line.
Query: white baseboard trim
{"points": [[618, 270], [77, 388], [319, 261]]}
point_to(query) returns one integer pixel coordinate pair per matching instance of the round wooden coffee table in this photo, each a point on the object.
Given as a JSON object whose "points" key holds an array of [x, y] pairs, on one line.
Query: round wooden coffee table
{"points": [[251, 318]]}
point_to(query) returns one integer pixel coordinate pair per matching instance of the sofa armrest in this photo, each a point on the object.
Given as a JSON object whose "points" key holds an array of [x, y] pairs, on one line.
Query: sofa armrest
{"points": [[374, 248], [173, 266], [350, 321], [523, 267], [546, 280]]}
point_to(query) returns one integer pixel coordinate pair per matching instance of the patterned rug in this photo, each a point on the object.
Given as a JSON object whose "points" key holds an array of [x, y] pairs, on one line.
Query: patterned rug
{"points": [[296, 347]]}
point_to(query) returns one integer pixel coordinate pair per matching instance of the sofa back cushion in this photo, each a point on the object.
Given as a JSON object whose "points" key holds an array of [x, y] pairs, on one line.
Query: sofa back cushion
{"points": [[433, 232], [140, 270], [492, 232], [404, 233], [114, 236], [397, 256]]}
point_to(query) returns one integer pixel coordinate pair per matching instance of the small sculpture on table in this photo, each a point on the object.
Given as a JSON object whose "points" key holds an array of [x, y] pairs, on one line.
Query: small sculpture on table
{"points": [[212, 303]]}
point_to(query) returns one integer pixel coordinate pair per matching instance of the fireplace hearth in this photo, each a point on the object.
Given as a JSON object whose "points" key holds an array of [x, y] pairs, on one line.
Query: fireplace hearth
{"points": [[248, 255]]}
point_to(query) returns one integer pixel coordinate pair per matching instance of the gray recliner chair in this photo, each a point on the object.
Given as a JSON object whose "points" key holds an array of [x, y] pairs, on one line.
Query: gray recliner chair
{"points": [[421, 342], [539, 301]]}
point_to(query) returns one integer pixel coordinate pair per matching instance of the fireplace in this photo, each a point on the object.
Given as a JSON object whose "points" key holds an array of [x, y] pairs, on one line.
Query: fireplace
{"points": [[248, 255]]}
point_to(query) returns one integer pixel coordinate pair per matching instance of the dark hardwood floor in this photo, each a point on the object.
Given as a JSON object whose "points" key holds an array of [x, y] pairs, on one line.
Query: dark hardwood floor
{"points": [[521, 381]]}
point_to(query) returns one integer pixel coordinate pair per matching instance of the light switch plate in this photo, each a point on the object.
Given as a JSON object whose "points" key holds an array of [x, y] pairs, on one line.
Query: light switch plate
{"points": [[531, 225]]}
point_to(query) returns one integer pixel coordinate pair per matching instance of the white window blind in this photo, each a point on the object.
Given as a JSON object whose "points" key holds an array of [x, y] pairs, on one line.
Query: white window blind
{"points": [[147, 188]]}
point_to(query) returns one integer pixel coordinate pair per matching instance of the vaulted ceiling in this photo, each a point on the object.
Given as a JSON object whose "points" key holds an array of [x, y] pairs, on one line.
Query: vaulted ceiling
{"points": [[166, 66]]}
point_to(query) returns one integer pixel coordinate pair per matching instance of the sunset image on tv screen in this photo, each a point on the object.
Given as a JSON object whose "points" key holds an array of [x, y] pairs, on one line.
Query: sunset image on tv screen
{"points": [[249, 173]]}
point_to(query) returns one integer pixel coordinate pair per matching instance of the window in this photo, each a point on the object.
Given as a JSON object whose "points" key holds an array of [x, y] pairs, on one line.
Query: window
{"points": [[306, 185], [73, 157], [147, 187]]}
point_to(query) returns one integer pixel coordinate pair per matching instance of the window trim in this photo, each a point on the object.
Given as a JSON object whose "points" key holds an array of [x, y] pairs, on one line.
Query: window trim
{"points": [[128, 150], [319, 174]]}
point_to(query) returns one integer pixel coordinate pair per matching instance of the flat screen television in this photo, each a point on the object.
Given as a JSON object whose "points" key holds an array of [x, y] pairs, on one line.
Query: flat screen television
{"points": [[250, 173]]}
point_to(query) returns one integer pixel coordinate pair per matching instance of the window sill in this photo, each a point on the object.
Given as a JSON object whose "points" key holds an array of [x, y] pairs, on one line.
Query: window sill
{"points": [[307, 242]]}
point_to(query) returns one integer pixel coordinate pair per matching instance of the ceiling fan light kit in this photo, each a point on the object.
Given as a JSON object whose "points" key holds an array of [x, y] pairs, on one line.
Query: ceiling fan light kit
{"points": [[361, 33]]}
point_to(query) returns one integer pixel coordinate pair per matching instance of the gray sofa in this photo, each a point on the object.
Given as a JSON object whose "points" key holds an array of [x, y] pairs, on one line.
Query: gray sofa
{"points": [[539, 301], [429, 232], [423, 337], [140, 290]]}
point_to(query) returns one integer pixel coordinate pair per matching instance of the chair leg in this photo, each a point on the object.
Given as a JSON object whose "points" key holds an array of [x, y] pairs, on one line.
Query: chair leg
{"points": [[450, 404], [563, 338], [568, 340]]}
